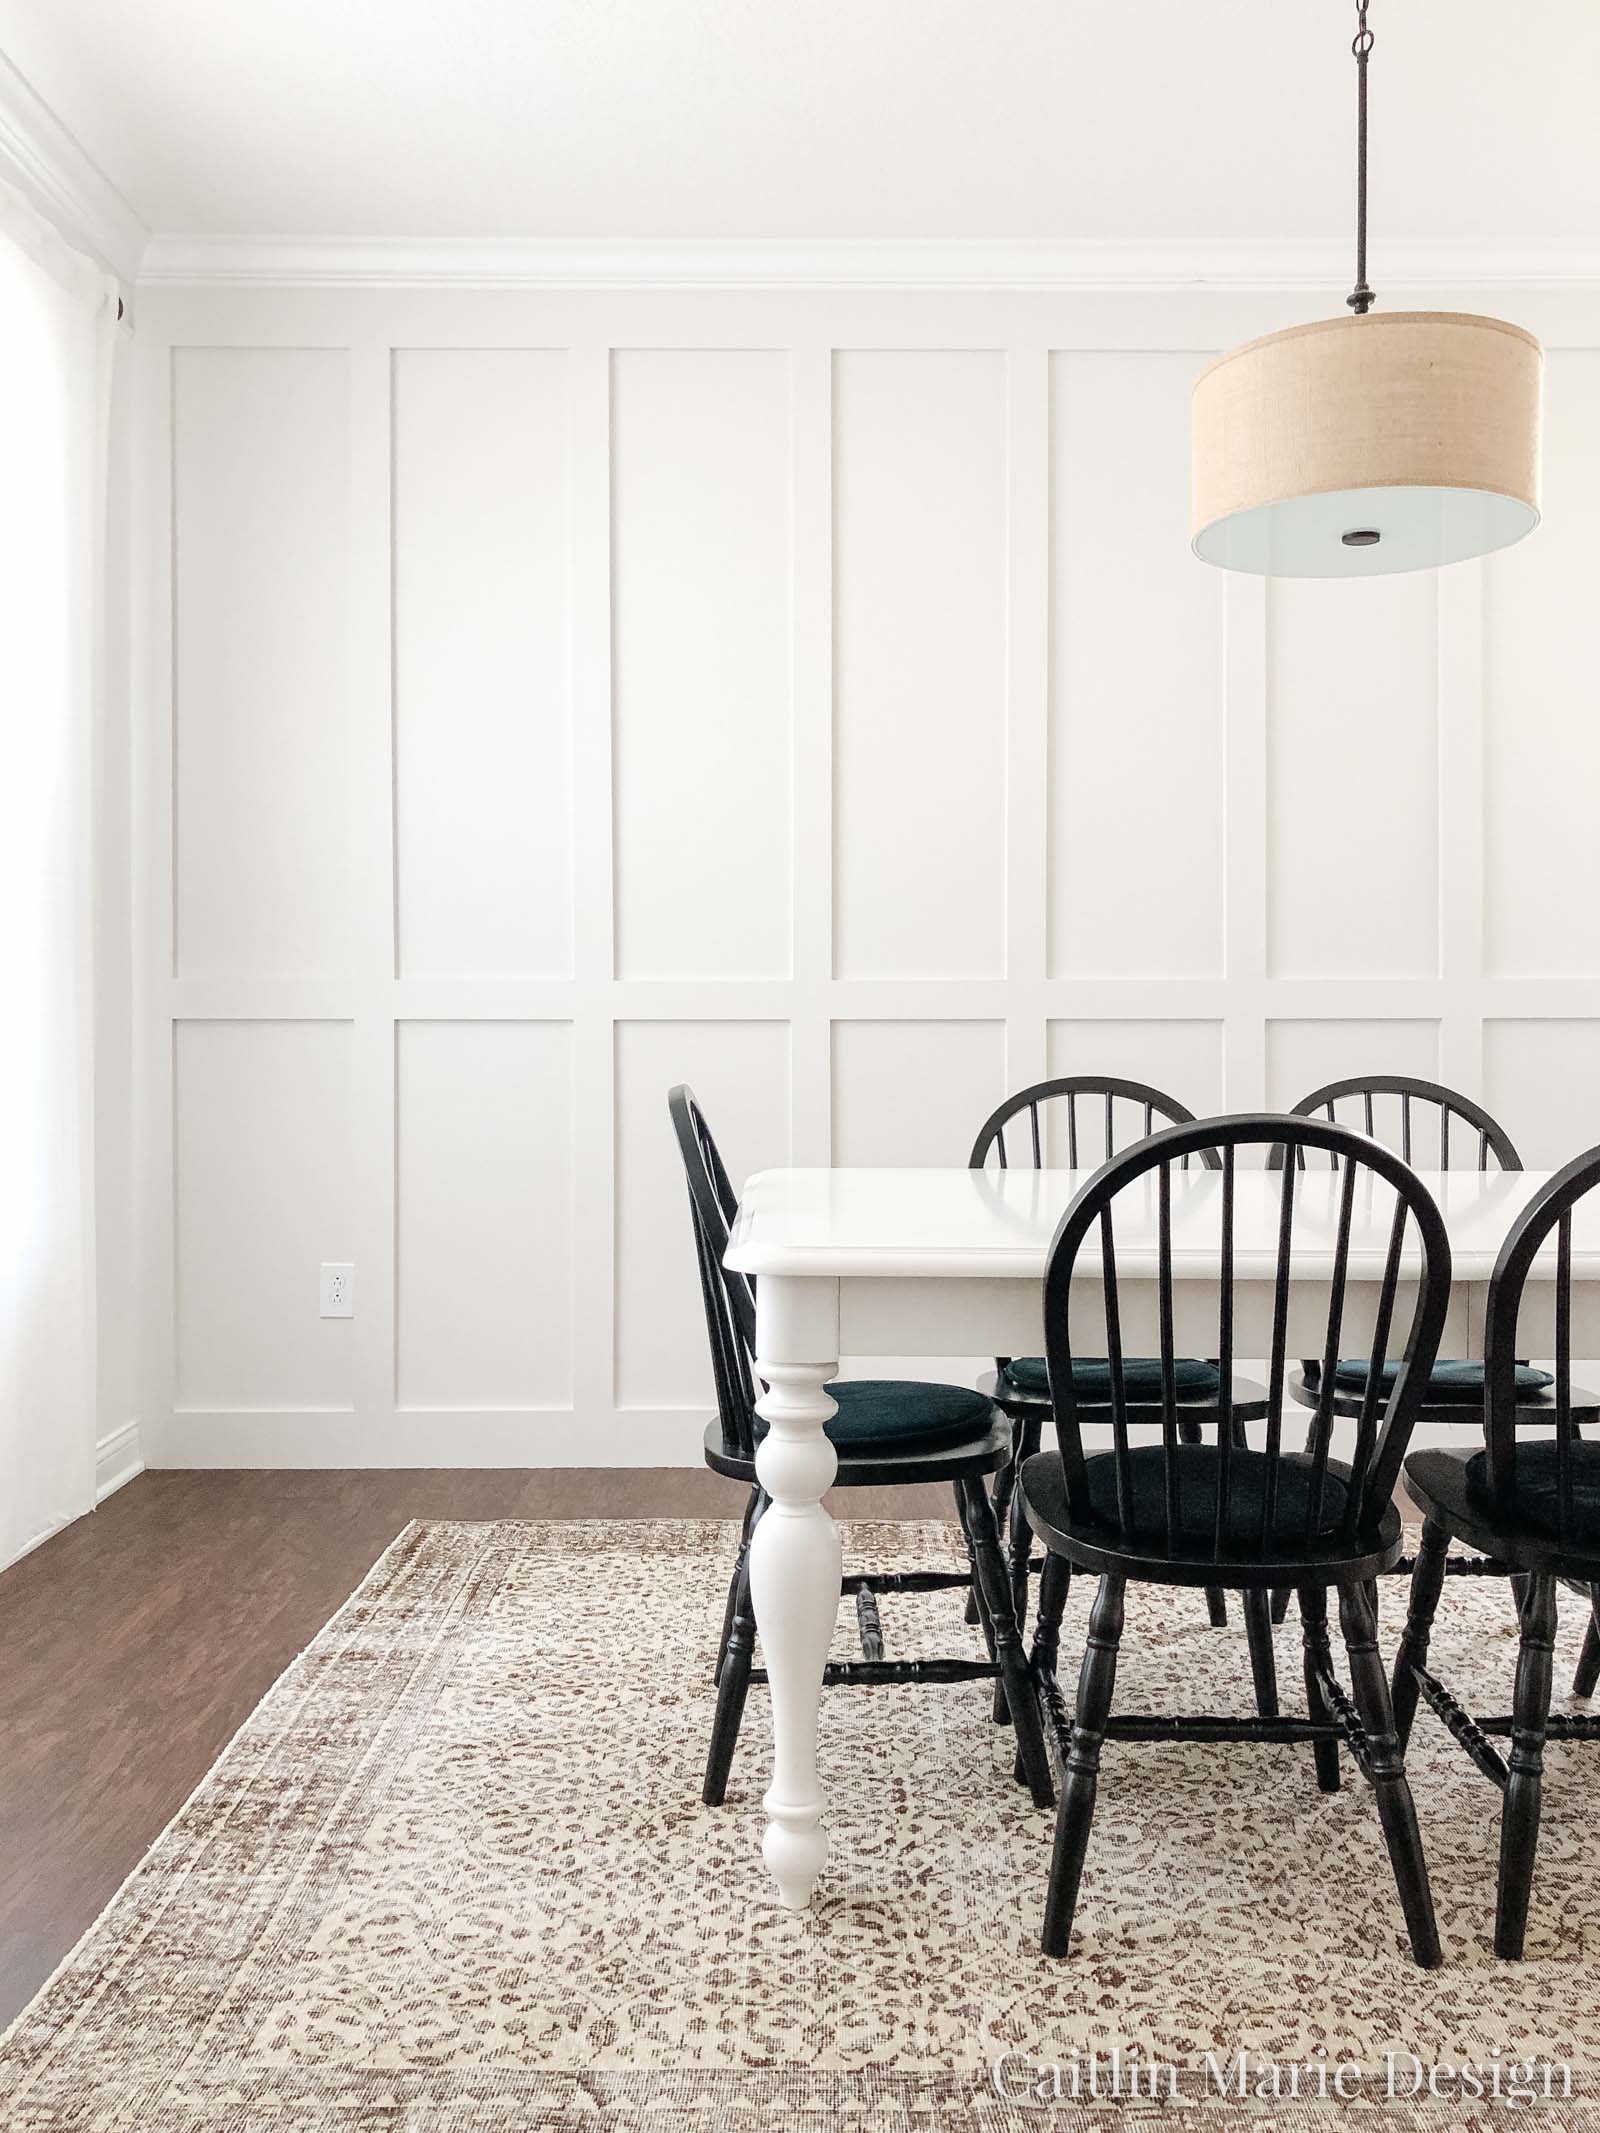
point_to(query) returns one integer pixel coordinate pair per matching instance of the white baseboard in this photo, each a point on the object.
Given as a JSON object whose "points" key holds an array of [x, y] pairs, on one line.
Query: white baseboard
{"points": [[420, 1437], [118, 1457], [37, 1541]]}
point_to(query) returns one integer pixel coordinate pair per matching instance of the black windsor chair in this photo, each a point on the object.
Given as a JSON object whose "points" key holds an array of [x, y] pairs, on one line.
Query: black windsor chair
{"points": [[1172, 1513], [1414, 1117], [1117, 1113], [1531, 1506], [885, 1431]]}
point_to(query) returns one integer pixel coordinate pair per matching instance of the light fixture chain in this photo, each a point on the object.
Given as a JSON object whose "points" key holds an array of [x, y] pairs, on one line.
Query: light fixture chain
{"points": [[1360, 298]]}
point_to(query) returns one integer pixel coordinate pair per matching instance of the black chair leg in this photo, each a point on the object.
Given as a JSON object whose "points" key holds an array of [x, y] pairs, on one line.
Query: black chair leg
{"points": [[995, 1592], [1005, 1483], [1280, 1604], [1519, 1817], [1190, 1432], [1318, 1658], [1019, 1551], [732, 1689], [1055, 1582], [1020, 1536], [1005, 1509], [1588, 1672], [1390, 1786], [1096, 1684], [750, 1514], [976, 1611], [1263, 1664], [1427, 1582]]}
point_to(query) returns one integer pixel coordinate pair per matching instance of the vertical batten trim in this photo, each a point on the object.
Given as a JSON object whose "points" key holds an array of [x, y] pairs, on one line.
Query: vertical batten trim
{"points": [[1028, 707], [1463, 824], [594, 869], [1246, 614], [811, 752], [375, 1358]]}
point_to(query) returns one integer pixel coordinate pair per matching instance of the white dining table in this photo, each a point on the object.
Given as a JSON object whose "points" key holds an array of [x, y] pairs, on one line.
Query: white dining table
{"points": [[947, 1262]]}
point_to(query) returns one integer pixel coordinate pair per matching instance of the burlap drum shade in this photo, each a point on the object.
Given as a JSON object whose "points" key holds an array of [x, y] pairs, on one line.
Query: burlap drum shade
{"points": [[1419, 427]]}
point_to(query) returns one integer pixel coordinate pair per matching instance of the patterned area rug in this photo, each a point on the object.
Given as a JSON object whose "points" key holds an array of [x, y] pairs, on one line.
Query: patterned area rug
{"points": [[454, 1876]]}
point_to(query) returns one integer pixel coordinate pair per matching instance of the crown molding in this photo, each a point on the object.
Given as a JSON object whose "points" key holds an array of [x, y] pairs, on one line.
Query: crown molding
{"points": [[48, 164], [974, 264]]}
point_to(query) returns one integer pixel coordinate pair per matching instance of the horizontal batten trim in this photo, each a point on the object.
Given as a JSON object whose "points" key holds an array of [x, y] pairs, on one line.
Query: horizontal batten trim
{"points": [[1157, 999], [1133, 999], [176, 260]]}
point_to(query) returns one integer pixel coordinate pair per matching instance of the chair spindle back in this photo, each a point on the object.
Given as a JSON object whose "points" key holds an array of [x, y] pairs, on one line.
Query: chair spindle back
{"points": [[1094, 1138], [1478, 1138], [1381, 1438], [1549, 1209], [729, 1298]]}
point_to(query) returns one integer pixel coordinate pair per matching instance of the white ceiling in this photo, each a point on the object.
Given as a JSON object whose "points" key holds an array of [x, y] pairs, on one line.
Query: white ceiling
{"points": [[1116, 120]]}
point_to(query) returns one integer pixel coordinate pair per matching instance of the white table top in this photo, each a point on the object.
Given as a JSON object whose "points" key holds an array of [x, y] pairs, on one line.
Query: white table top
{"points": [[956, 1223]]}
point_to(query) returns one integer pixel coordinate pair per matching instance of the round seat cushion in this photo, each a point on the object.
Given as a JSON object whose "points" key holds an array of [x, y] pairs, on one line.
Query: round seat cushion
{"points": [[1450, 1381], [1537, 1504], [1141, 1378], [899, 1415]]}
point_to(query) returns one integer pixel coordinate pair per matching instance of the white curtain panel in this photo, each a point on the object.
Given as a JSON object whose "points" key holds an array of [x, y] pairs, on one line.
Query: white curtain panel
{"points": [[57, 342]]}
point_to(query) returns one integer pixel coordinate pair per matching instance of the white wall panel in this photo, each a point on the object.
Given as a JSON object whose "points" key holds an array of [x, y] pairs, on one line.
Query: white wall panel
{"points": [[1136, 754], [482, 688], [1541, 1080], [740, 1073], [1184, 1059], [264, 1193], [261, 549], [810, 695], [1541, 733], [913, 1092], [920, 663], [484, 1185], [701, 662], [1352, 789], [1302, 1055]]}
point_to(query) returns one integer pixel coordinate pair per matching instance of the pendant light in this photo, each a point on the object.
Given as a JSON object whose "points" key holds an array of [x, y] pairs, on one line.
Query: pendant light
{"points": [[1371, 444]]}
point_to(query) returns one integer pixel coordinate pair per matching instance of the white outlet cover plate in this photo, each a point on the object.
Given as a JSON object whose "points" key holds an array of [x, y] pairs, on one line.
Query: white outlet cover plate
{"points": [[338, 1288]]}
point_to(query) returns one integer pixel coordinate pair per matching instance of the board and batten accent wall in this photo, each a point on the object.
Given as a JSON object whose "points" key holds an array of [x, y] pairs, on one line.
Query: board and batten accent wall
{"points": [[543, 697]]}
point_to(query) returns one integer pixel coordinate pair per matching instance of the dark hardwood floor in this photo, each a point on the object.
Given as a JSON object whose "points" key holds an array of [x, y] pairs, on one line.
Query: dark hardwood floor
{"points": [[134, 1644]]}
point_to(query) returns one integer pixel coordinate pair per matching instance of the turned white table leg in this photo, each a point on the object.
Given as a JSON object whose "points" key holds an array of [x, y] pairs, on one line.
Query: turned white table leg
{"points": [[795, 1563]]}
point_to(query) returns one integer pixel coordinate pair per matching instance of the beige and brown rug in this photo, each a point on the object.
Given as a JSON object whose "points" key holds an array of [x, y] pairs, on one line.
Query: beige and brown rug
{"points": [[454, 1876]]}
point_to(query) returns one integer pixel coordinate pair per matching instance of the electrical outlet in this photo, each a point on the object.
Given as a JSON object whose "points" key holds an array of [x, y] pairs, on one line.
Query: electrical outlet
{"points": [[338, 1289]]}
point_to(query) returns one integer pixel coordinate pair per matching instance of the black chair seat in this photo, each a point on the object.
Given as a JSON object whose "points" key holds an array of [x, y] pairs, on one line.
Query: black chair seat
{"points": [[1044, 1486], [1141, 1377], [1454, 1394], [1454, 1488], [1536, 1486]]}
